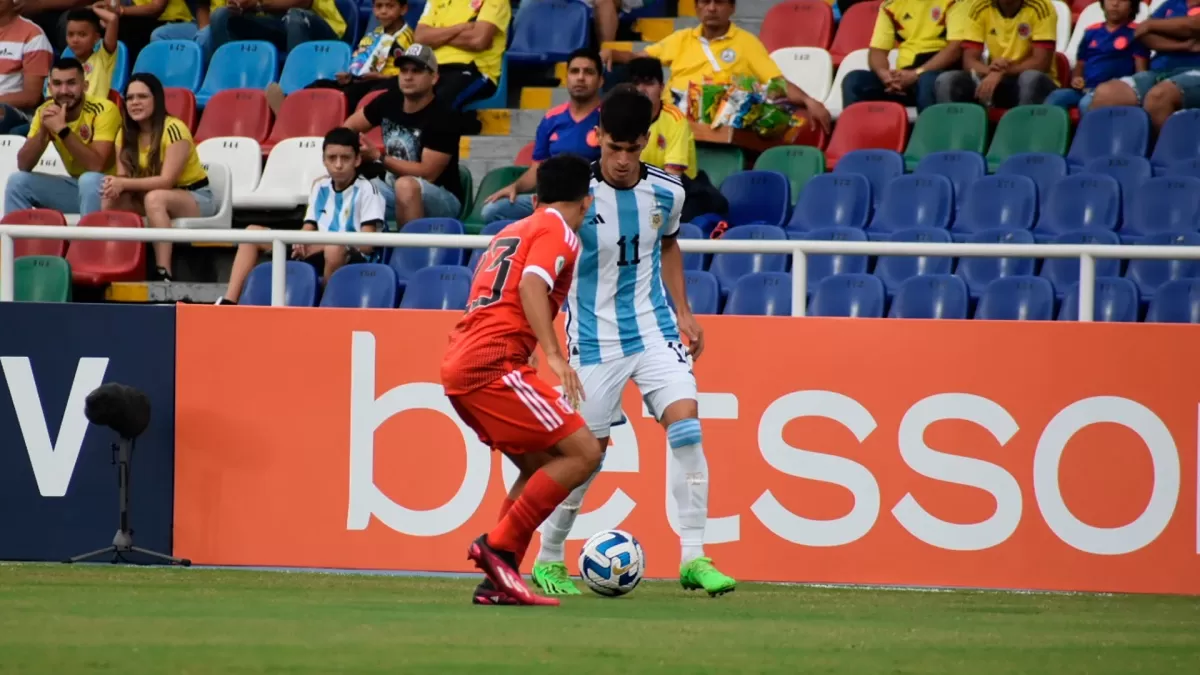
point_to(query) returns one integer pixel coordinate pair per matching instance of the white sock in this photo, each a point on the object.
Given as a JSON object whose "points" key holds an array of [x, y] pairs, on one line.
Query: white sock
{"points": [[556, 528], [688, 476]]}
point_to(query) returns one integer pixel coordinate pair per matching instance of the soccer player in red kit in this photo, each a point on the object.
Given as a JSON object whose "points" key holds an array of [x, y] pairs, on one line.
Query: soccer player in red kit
{"points": [[519, 286]]}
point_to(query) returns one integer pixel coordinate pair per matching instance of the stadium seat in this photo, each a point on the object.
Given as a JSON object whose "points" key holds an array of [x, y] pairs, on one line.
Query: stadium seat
{"points": [[854, 30], [98, 263], [931, 296], [1029, 128], [246, 64], [312, 61], [1183, 167], [1109, 132], [855, 60], [1163, 204], [996, 202], [308, 112], [1017, 298], [51, 163], [797, 23], [375, 135], [1062, 272], [406, 260], [1177, 301], [466, 183], [220, 179], [241, 155], [821, 266], [851, 295], [894, 270], [1077, 202], [962, 167], [287, 177], [1042, 168], [879, 166], [41, 278], [300, 285], [1063, 28], [719, 161], [871, 124], [761, 294], [944, 127], [798, 162], [729, 267], [493, 181], [39, 247], [829, 200], [236, 112], [524, 156], [350, 13], [178, 64], [913, 201], [491, 230], [809, 68], [1129, 172], [10, 145], [438, 287], [978, 272], [1149, 275], [1179, 139], [691, 261], [703, 292], [532, 43], [1114, 299], [497, 100], [757, 197], [181, 103]]}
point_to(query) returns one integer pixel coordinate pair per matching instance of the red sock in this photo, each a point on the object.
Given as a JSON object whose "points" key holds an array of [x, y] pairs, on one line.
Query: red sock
{"points": [[504, 507], [541, 496]]}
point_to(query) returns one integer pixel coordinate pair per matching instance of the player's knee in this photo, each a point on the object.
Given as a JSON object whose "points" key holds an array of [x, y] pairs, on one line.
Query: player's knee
{"points": [[684, 434]]}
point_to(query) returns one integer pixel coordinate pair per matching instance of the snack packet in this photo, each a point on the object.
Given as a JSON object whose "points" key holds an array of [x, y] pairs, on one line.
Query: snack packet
{"points": [[692, 110], [775, 90], [371, 59], [711, 96], [773, 121]]}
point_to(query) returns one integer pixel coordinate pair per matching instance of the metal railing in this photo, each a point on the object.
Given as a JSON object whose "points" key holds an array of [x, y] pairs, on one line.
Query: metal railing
{"points": [[799, 251]]}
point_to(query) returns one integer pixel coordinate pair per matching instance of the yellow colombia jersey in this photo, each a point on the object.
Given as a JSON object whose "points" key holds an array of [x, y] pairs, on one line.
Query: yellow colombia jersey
{"points": [[671, 142], [915, 27], [979, 23], [97, 70], [99, 120], [174, 131], [692, 58], [443, 13], [175, 10]]}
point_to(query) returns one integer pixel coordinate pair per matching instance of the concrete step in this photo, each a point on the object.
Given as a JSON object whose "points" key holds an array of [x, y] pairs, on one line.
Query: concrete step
{"points": [[518, 123], [491, 148], [543, 98], [163, 292]]}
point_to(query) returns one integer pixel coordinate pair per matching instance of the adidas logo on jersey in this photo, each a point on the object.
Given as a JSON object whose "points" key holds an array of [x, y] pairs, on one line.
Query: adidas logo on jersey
{"points": [[597, 219], [907, 16]]}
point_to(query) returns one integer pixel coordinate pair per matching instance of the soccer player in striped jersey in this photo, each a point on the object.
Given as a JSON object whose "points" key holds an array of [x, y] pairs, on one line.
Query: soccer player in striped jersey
{"points": [[620, 327]]}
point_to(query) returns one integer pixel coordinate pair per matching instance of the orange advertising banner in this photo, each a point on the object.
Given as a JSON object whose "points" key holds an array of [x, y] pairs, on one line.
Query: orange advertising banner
{"points": [[1058, 456]]}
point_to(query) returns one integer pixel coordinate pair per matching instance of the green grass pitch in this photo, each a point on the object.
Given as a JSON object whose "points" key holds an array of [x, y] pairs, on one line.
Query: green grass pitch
{"points": [[102, 619]]}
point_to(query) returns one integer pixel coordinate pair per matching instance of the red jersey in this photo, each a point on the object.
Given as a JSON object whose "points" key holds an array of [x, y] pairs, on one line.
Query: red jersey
{"points": [[494, 338]]}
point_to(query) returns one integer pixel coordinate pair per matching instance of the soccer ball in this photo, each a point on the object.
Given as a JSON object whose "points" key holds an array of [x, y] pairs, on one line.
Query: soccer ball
{"points": [[612, 563]]}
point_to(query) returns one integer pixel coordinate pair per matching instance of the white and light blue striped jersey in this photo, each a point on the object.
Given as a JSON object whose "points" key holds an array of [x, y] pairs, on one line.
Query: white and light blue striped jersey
{"points": [[345, 211], [618, 302]]}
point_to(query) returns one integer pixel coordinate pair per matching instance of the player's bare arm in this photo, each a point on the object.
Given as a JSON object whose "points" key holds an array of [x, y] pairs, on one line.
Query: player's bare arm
{"points": [[535, 299], [673, 279]]}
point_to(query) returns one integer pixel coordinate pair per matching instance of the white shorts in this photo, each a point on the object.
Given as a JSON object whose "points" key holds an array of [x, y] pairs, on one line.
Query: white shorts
{"points": [[662, 373]]}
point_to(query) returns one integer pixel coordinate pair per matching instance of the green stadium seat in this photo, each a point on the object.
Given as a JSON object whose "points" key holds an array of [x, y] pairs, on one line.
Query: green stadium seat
{"points": [[798, 162], [719, 161], [1030, 128], [42, 278], [494, 180], [468, 191], [947, 126]]}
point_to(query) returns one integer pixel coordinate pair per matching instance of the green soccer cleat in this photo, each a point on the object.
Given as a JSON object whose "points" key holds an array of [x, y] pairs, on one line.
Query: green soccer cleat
{"points": [[554, 579], [700, 574]]}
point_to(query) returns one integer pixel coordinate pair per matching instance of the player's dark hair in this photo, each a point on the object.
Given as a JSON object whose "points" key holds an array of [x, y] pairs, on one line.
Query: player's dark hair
{"points": [[67, 63], [626, 114], [85, 15], [563, 178], [341, 136], [589, 54], [645, 69]]}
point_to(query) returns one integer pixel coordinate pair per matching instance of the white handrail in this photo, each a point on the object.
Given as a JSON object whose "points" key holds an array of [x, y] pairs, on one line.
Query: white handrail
{"points": [[798, 249]]}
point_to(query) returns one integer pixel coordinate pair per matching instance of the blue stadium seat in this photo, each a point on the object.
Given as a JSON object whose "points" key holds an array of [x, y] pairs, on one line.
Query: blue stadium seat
{"points": [[1022, 298], [415, 9], [300, 287], [491, 229], [365, 285], [406, 261], [1184, 167], [1116, 299], [703, 292], [1109, 132], [692, 261], [761, 294], [312, 61], [857, 295], [931, 296], [962, 167], [349, 11], [978, 272], [821, 266], [1179, 139], [757, 197], [438, 287], [1129, 172], [879, 166], [1177, 301], [913, 201], [1164, 204], [996, 202], [729, 267], [1149, 275], [1044, 169], [1062, 272], [176, 63], [829, 200], [1080, 201], [894, 270], [247, 64], [571, 24]]}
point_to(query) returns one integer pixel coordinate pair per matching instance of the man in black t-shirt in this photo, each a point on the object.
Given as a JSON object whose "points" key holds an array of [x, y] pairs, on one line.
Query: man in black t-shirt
{"points": [[420, 142]]}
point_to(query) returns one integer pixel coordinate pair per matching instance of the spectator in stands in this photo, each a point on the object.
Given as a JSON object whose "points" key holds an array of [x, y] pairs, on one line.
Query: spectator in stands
{"points": [[342, 201], [159, 173], [468, 38], [917, 28], [24, 63], [83, 130], [196, 30], [142, 17], [51, 16], [570, 127], [1108, 51], [94, 46], [283, 23], [605, 15], [717, 50], [1019, 36], [419, 164]]}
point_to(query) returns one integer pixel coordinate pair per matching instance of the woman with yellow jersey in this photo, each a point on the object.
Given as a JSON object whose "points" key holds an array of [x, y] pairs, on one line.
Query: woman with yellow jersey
{"points": [[159, 173]]}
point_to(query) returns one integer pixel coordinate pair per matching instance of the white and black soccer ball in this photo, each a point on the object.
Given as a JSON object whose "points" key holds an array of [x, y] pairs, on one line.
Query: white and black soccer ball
{"points": [[612, 563]]}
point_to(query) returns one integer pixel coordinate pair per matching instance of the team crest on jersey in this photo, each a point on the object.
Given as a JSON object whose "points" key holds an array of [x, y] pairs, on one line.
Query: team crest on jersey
{"points": [[662, 142], [728, 56], [936, 14], [1120, 43], [559, 263], [85, 132], [1024, 31], [656, 219]]}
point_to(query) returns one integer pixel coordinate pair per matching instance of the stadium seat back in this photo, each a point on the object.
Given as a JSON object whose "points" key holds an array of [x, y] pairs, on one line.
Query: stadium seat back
{"points": [[493, 181], [962, 167], [243, 156], [532, 43], [1184, 167], [1017, 298], [821, 266], [855, 60], [879, 166], [719, 161], [245, 64], [291, 168], [1177, 301], [176, 63], [41, 278], [757, 197], [438, 287], [407, 261], [1109, 132], [850, 295], [312, 61], [491, 230], [1115, 299], [308, 112], [350, 13], [236, 112], [1043, 169], [797, 23], [1163, 204], [998, 202], [703, 292], [894, 270], [879, 125], [181, 103], [1029, 128], [220, 179], [691, 261], [36, 247], [51, 163], [800, 163], [1149, 275], [829, 200], [1081, 201], [10, 145], [729, 267], [855, 29], [300, 285], [945, 127], [931, 296], [978, 272], [96, 263], [1179, 139], [363, 285], [1129, 172], [914, 201], [525, 155], [809, 68], [1062, 272], [761, 294]]}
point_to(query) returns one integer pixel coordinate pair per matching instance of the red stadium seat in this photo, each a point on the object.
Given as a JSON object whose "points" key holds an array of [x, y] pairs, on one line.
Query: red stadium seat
{"points": [[115, 97], [24, 247], [525, 156], [308, 112], [870, 124], [810, 134], [375, 135], [797, 23], [236, 112], [96, 263], [181, 103], [854, 30]]}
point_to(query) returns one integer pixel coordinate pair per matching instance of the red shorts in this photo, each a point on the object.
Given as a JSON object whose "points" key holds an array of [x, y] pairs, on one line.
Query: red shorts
{"points": [[518, 413]]}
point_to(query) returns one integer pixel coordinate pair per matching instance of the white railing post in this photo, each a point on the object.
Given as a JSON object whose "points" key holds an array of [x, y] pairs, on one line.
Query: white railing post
{"points": [[6, 268], [278, 272], [1087, 287], [799, 283]]}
